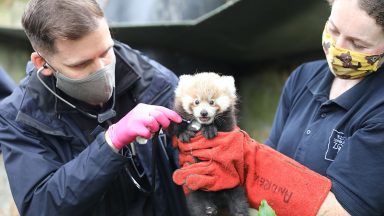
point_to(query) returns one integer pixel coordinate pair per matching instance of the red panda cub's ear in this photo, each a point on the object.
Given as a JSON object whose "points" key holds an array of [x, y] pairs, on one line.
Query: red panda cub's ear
{"points": [[184, 78], [183, 81], [228, 82]]}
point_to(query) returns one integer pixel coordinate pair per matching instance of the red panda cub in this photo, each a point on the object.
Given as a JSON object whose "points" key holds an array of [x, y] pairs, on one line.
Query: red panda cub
{"points": [[207, 101]]}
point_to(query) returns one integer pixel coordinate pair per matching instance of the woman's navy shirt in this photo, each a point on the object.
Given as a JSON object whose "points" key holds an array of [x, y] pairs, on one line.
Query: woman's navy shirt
{"points": [[342, 138]]}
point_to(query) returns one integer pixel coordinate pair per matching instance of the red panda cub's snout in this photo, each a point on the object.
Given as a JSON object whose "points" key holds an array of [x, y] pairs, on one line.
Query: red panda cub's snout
{"points": [[209, 99]]}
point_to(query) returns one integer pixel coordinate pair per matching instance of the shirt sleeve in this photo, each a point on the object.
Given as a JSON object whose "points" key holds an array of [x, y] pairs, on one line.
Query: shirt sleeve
{"points": [[357, 173], [283, 109]]}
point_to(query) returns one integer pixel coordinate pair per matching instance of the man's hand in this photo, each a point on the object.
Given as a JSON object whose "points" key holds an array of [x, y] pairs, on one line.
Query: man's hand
{"points": [[143, 120]]}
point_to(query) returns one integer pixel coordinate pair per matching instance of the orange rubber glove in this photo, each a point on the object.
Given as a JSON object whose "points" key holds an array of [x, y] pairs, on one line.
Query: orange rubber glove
{"points": [[233, 158]]}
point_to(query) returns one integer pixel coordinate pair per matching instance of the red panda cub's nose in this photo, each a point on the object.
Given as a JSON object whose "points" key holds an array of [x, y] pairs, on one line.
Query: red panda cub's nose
{"points": [[204, 113]]}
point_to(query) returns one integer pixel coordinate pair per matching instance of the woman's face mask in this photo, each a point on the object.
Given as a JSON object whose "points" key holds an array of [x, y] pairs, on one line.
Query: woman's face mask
{"points": [[96, 88], [347, 64]]}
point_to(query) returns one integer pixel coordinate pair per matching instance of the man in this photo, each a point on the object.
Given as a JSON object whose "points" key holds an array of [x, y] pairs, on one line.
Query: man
{"points": [[68, 130]]}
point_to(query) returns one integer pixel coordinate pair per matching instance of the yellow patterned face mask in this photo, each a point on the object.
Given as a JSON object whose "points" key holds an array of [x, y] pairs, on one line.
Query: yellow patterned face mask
{"points": [[347, 64]]}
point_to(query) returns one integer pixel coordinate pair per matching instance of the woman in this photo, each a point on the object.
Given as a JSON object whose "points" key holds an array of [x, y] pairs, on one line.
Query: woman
{"points": [[330, 119]]}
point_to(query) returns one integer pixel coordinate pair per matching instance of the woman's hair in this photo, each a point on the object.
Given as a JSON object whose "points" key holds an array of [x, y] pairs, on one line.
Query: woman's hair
{"points": [[374, 8], [44, 21]]}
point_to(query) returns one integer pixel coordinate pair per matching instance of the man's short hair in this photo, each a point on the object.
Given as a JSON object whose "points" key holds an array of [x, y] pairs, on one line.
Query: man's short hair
{"points": [[44, 21]]}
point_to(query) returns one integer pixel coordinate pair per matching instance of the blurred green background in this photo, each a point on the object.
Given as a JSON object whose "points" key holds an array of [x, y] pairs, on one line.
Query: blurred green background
{"points": [[258, 42]]}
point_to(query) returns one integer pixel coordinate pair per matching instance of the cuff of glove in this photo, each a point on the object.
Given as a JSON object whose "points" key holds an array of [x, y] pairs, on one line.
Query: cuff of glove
{"points": [[109, 142], [289, 187]]}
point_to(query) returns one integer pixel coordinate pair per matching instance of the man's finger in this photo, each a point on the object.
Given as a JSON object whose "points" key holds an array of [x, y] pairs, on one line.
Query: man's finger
{"points": [[161, 118], [143, 132], [152, 124], [172, 115]]}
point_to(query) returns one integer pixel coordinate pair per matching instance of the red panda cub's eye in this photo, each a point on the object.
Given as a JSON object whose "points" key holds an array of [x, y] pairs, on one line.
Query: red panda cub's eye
{"points": [[211, 102], [197, 102]]}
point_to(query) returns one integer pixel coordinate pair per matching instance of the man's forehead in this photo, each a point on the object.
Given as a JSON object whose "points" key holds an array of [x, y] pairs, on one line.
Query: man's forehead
{"points": [[87, 47]]}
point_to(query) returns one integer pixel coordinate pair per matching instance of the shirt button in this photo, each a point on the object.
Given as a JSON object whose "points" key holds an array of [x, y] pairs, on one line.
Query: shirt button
{"points": [[308, 132], [323, 115]]}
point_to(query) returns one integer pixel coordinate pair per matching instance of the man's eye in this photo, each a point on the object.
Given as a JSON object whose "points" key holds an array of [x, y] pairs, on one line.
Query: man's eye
{"points": [[79, 66], [106, 52]]}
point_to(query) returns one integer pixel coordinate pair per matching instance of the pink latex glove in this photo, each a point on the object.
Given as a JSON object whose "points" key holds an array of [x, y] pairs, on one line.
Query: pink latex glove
{"points": [[143, 120]]}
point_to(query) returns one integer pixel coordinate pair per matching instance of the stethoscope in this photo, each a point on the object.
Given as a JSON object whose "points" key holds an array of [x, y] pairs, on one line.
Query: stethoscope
{"points": [[158, 140], [127, 151], [158, 143]]}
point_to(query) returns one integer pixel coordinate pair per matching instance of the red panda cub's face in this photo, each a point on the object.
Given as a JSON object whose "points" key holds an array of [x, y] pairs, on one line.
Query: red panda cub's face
{"points": [[205, 95]]}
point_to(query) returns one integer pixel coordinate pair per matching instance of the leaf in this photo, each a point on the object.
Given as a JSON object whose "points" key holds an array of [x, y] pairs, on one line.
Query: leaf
{"points": [[265, 209], [253, 212]]}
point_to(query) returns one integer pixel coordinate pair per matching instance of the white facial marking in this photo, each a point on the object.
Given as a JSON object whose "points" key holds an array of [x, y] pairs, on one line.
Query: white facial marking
{"points": [[223, 102], [186, 101], [201, 108]]}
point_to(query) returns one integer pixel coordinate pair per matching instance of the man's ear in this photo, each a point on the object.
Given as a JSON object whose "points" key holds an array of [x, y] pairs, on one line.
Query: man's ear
{"points": [[39, 62]]}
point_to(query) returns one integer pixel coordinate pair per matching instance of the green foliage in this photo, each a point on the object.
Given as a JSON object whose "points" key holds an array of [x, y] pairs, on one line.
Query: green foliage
{"points": [[11, 12], [252, 212], [13, 60], [265, 209], [13, 53], [259, 95]]}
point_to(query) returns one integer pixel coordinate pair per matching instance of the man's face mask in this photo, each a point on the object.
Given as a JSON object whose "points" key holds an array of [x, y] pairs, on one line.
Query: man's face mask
{"points": [[347, 64], [96, 88]]}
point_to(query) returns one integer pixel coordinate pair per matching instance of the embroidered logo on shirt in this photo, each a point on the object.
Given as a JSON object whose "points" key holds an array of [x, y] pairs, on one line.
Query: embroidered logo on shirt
{"points": [[336, 142]]}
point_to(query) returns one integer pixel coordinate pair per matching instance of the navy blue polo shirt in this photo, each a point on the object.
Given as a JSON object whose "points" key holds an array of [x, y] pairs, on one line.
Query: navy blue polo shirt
{"points": [[342, 138]]}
